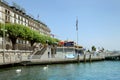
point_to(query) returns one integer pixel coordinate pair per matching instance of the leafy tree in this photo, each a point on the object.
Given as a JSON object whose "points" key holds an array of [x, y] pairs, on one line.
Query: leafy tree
{"points": [[102, 49], [2, 28], [88, 50], [35, 38], [16, 31], [93, 48], [57, 40], [51, 41]]}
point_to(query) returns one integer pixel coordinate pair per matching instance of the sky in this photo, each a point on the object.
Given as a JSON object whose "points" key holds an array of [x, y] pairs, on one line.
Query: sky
{"points": [[98, 20]]}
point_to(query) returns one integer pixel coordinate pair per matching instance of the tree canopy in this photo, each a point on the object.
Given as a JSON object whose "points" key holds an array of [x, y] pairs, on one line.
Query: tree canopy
{"points": [[16, 31], [93, 48]]}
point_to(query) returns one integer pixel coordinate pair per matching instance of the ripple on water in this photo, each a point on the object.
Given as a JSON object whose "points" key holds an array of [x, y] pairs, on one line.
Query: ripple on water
{"points": [[104, 70]]}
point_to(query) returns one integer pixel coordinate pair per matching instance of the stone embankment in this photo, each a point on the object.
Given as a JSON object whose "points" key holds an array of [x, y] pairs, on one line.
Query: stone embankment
{"points": [[15, 58]]}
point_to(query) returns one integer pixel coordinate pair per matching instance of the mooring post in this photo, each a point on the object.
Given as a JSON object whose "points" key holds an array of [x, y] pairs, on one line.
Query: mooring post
{"points": [[90, 58], [85, 58], [78, 59]]}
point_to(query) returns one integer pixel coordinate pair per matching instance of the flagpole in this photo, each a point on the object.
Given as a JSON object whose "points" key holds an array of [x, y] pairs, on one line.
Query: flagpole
{"points": [[77, 30], [38, 17], [77, 38]]}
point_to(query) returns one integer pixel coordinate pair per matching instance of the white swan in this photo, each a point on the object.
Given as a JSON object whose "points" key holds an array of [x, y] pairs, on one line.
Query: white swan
{"points": [[45, 67], [18, 70]]}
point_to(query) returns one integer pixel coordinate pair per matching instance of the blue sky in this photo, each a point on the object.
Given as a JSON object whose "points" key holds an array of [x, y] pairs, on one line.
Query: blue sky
{"points": [[98, 20]]}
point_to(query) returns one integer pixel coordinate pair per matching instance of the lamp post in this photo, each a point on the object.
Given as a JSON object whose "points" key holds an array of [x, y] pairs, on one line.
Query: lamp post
{"points": [[3, 42]]}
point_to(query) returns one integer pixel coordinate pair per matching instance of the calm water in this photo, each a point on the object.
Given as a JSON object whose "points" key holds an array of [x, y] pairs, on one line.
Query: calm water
{"points": [[104, 70]]}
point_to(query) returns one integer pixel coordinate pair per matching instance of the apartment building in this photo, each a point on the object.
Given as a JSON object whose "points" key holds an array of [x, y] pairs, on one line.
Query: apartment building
{"points": [[15, 14]]}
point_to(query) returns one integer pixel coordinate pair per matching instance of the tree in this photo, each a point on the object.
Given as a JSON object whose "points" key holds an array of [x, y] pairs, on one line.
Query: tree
{"points": [[2, 28], [93, 48], [35, 38], [88, 50], [102, 49], [52, 41], [14, 31]]}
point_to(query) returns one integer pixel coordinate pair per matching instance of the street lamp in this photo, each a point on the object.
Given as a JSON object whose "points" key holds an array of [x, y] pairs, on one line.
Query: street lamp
{"points": [[3, 42]]}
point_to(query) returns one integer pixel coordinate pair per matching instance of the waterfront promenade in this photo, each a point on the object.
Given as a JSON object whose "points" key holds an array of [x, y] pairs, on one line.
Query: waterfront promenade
{"points": [[13, 57], [26, 57]]}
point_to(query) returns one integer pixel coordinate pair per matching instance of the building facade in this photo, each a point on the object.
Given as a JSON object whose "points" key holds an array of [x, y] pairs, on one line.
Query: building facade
{"points": [[15, 14]]}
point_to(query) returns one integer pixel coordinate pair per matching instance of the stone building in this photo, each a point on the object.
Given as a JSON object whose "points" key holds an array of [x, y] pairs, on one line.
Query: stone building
{"points": [[15, 14]]}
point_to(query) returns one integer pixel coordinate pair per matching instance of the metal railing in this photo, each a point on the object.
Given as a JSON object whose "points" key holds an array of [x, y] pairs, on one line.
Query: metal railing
{"points": [[39, 53]]}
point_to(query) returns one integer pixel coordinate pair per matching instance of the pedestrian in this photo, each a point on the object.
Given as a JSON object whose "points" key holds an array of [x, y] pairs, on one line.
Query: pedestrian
{"points": [[48, 54]]}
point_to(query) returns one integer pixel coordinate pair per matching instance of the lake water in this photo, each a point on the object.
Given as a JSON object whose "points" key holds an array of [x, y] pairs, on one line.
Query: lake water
{"points": [[103, 70]]}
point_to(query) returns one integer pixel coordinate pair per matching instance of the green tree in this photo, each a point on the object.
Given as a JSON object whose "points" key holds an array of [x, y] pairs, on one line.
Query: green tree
{"points": [[35, 38], [14, 31], [93, 48]]}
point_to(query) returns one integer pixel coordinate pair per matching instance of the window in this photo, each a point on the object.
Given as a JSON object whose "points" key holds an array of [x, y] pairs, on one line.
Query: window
{"points": [[7, 15]]}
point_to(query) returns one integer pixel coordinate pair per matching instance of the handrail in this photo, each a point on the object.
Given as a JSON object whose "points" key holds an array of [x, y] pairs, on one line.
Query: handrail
{"points": [[39, 53]]}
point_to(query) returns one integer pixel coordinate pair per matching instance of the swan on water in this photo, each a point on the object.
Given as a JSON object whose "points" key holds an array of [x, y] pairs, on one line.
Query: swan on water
{"points": [[46, 67], [18, 70]]}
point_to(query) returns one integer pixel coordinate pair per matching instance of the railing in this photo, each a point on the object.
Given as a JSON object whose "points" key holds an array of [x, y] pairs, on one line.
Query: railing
{"points": [[39, 53]]}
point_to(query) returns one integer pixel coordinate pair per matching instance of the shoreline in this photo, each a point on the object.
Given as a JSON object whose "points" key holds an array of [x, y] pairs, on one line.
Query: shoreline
{"points": [[50, 62], [47, 62], [21, 58]]}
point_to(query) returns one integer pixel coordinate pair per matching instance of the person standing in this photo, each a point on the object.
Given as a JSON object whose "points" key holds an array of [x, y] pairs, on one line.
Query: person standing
{"points": [[48, 51], [52, 51]]}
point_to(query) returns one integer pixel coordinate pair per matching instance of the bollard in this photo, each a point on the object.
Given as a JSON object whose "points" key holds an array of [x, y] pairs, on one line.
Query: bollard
{"points": [[90, 58], [85, 58], [78, 59]]}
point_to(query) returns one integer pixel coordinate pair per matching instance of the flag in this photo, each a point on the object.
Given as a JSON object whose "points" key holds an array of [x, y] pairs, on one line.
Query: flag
{"points": [[76, 24]]}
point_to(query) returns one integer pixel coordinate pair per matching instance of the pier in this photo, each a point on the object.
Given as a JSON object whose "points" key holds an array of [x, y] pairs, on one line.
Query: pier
{"points": [[115, 55]]}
